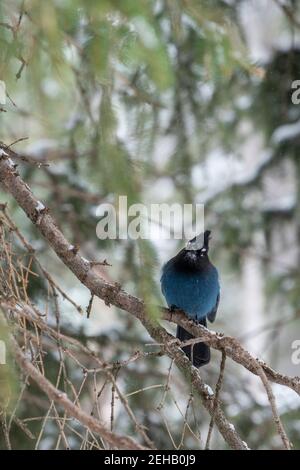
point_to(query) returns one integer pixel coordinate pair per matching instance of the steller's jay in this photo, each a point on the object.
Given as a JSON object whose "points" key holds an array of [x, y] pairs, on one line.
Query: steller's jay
{"points": [[190, 282]]}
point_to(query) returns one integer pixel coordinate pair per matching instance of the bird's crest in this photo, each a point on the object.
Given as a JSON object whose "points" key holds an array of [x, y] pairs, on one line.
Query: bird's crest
{"points": [[200, 242]]}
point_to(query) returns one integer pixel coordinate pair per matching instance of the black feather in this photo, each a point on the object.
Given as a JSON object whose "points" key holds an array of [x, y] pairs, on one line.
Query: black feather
{"points": [[198, 353]]}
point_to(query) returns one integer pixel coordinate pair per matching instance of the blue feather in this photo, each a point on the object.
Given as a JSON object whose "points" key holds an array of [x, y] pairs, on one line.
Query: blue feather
{"points": [[195, 293], [191, 283]]}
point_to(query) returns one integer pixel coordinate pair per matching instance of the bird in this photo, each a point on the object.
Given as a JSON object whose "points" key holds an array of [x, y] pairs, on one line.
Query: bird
{"points": [[190, 282]]}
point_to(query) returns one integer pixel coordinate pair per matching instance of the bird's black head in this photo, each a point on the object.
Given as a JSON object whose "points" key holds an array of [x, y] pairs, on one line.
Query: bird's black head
{"points": [[194, 257], [200, 243]]}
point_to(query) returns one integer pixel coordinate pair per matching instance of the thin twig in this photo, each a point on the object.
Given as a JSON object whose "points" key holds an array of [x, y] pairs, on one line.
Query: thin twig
{"points": [[217, 394]]}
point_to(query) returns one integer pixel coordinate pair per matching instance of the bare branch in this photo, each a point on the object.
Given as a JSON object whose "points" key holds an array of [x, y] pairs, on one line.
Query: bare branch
{"points": [[121, 442], [233, 349], [217, 393]]}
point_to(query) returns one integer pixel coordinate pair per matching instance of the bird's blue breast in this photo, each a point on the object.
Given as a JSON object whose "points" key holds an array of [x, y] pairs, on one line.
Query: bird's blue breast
{"points": [[195, 293]]}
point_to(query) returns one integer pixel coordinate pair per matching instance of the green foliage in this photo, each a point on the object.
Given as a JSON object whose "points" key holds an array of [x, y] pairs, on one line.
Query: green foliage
{"points": [[275, 91]]}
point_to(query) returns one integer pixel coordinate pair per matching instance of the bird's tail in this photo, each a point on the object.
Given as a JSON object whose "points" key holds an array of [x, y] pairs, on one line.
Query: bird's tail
{"points": [[198, 353]]}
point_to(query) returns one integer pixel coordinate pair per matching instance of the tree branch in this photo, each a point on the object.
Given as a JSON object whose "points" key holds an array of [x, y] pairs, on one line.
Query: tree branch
{"points": [[233, 349], [112, 294]]}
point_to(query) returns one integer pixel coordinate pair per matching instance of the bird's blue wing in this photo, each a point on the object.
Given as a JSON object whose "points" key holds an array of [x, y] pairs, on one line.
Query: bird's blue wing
{"points": [[212, 315]]}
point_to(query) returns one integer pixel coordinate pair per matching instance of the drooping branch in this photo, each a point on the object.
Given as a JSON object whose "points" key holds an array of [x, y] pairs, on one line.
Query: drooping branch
{"points": [[112, 294]]}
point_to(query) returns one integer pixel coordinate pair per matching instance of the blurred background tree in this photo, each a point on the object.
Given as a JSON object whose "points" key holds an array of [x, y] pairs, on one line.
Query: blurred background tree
{"points": [[185, 101]]}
